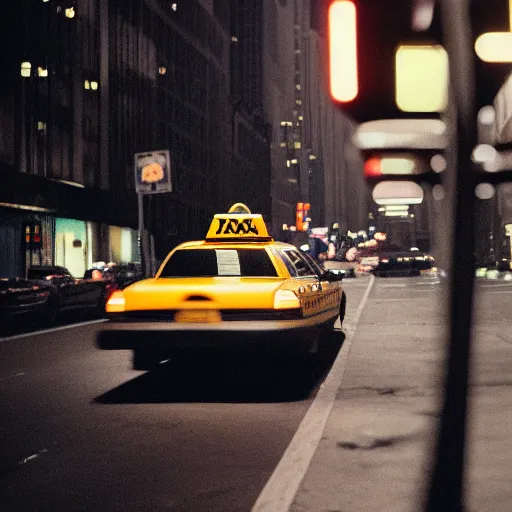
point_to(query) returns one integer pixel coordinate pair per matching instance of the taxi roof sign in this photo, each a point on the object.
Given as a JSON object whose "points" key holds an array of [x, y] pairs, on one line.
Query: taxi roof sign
{"points": [[239, 224]]}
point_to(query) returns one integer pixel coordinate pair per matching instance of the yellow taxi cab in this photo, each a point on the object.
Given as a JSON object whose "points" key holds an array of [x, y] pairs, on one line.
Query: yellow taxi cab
{"points": [[238, 288]]}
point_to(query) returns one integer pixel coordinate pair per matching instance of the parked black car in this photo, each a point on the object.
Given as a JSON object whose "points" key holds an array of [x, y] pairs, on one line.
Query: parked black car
{"points": [[121, 274], [24, 301], [74, 294], [407, 263]]}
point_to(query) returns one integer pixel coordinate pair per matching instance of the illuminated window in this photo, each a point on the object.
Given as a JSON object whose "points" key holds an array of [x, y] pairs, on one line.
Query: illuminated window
{"points": [[297, 86], [162, 70], [41, 126], [42, 72], [297, 145], [174, 6], [70, 13], [298, 102], [294, 161], [94, 85], [26, 68], [234, 39], [87, 84], [301, 118], [421, 78]]}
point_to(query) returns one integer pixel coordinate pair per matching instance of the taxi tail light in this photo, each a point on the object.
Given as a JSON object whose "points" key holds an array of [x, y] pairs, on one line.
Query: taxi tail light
{"points": [[116, 302], [286, 299]]}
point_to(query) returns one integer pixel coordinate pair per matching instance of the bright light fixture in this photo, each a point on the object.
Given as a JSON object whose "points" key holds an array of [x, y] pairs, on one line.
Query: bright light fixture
{"points": [[484, 191], [421, 78], [494, 47], [397, 166], [397, 207], [395, 214], [343, 50], [402, 133], [397, 193]]}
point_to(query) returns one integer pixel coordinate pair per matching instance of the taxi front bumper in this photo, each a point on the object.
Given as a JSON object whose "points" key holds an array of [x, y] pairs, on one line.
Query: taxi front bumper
{"points": [[118, 335]]}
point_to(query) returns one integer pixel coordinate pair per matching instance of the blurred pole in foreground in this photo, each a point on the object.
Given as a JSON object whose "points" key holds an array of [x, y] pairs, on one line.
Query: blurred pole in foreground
{"points": [[446, 489]]}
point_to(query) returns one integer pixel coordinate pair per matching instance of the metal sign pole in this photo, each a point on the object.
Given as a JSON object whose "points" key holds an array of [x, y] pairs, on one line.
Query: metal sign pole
{"points": [[152, 176], [446, 490], [140, 200]]}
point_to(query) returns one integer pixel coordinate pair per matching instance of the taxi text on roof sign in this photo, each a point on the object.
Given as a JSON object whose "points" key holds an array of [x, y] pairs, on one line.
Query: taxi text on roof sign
{"points": [[237, 225]]}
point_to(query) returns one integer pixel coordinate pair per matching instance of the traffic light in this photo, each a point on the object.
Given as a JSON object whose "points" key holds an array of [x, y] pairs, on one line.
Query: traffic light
{"points": [[343, 51], [414, 165]]}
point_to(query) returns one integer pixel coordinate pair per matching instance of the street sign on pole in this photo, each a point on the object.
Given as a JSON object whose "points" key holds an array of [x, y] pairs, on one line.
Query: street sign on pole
{"points": [[152, 176], [153, 172]]}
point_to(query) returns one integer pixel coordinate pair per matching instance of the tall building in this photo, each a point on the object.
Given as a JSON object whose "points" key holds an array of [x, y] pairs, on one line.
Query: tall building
{"points": [[313, 157], [250, 130], [89, 84]]}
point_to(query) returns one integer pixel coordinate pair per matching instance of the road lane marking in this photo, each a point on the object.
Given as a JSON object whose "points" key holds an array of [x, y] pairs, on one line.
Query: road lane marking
{"points": [[281, 489], [53, 329], [32, 457], [19, 374]]}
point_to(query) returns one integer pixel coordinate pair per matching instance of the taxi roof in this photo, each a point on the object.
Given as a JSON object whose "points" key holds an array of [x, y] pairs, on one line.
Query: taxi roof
{"points": [[205, 244], [235, 229], [238, 225]]}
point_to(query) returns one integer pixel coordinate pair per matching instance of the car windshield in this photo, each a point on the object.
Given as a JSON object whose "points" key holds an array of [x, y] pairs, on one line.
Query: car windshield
{"points": [[219, 262]]}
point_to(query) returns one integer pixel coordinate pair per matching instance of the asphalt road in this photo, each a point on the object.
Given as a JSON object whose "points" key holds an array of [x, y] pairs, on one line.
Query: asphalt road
{"points": [[80, 430]]}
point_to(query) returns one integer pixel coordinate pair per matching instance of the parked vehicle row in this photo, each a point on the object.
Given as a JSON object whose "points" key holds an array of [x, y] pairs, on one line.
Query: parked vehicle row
{"points": [[48, 293]]}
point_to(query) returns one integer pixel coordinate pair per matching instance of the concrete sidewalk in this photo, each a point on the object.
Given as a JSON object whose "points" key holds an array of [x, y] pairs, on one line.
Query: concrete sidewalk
{"points": [[375, 451]]}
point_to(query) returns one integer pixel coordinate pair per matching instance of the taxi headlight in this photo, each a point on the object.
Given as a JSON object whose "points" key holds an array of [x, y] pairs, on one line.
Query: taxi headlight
{"points": [[116, 302], [286, 299]]}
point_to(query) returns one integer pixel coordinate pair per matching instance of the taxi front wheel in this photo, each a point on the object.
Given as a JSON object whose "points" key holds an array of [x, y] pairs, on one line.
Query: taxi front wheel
{"points": [[343, 307]]}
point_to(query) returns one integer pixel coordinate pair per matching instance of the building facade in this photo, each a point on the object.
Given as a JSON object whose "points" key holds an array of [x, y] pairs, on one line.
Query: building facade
{"points": [[313, 158], [89, 85]]}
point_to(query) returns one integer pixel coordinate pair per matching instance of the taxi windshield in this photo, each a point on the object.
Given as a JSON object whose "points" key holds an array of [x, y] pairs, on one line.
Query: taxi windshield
{"points": [[219, 262]]}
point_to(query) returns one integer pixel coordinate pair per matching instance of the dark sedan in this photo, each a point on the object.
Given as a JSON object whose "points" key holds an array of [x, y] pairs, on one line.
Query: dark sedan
{"points": [[407, 263], [26, 301], [75, 294]]}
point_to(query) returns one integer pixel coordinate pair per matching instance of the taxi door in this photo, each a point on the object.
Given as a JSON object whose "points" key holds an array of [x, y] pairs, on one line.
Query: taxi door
{"points": [[332, 290], [310, 289]]}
